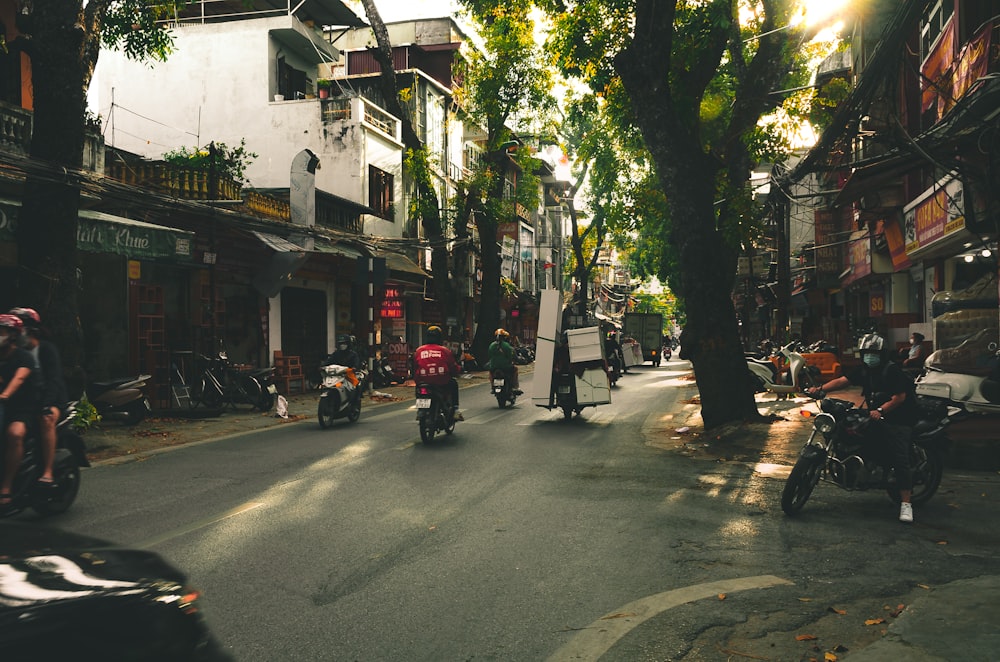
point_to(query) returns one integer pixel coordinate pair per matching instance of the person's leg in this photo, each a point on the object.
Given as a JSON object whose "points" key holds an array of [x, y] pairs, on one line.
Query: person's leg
{"points": [[899, 449], [12, 458], [47, 435]]}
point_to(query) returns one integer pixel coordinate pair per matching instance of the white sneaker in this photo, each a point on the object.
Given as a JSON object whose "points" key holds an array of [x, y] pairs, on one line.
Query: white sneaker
{"points": [[905, 512]]}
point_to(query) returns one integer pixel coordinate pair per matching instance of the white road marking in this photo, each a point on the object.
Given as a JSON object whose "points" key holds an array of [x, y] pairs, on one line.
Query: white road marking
{"points": [[593, 641]]}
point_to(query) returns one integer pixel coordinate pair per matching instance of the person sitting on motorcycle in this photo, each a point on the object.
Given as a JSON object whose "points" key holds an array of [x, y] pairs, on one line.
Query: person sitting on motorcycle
{"points": [[501, 359], [914, 355], [893, 408], [435, 364], [20, 399], [612, 350], [54, 398], [345, 354]]}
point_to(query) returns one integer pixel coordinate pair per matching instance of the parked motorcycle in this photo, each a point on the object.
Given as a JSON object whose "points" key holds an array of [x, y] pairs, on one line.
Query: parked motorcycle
{"points": [[503, 388], [434, 411], [382, 374], [121, 398], [523, 355], [967, 376], [341, 396], [767, 377], [839, 451], [70, 456]]}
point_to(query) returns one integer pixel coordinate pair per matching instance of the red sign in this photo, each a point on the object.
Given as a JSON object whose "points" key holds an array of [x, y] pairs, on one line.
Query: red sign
{"points": [[392, 304]]}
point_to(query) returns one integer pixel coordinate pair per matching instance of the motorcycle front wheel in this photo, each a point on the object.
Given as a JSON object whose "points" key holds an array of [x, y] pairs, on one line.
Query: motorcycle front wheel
{"points": [[325, 413], [59, 498], [927, 471], [355, 412], [801, 481]]}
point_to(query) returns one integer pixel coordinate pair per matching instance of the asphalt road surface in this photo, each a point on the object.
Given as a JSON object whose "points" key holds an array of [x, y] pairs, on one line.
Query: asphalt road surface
{"points": [[524, 536]]}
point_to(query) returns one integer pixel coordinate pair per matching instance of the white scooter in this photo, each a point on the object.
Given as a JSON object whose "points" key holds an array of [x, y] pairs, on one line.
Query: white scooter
{"points": [[768, 377], [967, 376]]}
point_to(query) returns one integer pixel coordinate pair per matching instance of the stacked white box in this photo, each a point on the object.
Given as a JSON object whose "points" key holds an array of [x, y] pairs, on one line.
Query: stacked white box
{"points": [[585, 344], [593, 387]]}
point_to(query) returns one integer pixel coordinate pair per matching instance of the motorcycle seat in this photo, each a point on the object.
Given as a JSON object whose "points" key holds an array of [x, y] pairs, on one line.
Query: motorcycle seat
{"points": [[100, 387]]}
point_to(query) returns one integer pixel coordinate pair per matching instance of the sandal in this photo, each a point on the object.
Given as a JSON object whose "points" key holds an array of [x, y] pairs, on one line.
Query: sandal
{"points": [[47, 483]]}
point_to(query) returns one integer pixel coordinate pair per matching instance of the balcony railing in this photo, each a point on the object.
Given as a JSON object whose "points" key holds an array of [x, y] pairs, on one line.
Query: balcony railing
{"points": [[15, 128], [180, 182]]}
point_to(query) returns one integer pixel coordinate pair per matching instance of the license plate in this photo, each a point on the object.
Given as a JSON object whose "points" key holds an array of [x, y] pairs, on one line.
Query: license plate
{"points": [[498, 382], [272, 389], [423, 403], [563, 389]]}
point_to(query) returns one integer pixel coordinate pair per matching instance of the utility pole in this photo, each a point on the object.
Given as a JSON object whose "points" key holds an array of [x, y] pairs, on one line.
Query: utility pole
{"points": [[782, 211]]}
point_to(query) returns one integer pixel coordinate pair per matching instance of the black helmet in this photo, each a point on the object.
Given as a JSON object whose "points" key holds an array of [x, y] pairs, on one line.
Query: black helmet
{"points": [[343, 341], [434, 334]]}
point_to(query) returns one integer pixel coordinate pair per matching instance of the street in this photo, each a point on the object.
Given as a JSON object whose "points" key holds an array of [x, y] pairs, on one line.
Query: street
{"points": [[527, 537]]}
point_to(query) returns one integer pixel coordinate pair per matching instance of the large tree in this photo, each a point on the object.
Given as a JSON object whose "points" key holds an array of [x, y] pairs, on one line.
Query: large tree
{"points": [[507, 92], [699, 77], [62, 40]]}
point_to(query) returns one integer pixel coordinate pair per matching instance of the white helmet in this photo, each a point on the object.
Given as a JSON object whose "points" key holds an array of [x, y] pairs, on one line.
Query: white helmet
{"points": [[871, 342]]}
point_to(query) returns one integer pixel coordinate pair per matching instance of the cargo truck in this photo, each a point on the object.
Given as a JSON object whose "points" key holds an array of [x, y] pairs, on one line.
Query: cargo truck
{"points": [[647, 328]]}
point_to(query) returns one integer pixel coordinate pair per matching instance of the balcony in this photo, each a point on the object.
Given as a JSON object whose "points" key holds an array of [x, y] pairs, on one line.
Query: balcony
{"points": [[15, 129], [345, 109], [182, 183]]}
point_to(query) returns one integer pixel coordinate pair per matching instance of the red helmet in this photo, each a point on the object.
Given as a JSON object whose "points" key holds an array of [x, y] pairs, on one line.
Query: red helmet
{"points": [[28, 316], [13, 325]]}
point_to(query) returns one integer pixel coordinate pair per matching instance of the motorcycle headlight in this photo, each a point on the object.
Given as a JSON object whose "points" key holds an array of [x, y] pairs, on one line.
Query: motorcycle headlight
{"points": [[825, 424]]}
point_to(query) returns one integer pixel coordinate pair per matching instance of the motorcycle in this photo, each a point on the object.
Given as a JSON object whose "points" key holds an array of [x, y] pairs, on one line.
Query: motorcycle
{"points": [[434, 411], [503, 388], [839, 451], [614, 368], [382, 374], [967, 376], [341, 396], [523, 355], [767, 377], [70, 456], [121, 398], [667, 353], [566, 394]]}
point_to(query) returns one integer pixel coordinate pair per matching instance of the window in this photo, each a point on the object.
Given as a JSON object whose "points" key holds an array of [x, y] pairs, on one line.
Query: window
{"points": [[933, 23], [380, 192], [290, 80]]}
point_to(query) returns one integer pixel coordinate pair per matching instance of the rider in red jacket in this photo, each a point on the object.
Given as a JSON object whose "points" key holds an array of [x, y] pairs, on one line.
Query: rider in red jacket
{"points": [[435, 364]]}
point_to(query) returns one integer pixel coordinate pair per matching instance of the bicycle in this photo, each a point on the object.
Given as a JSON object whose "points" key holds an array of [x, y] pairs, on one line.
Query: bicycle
{"points": [[220, 384]]}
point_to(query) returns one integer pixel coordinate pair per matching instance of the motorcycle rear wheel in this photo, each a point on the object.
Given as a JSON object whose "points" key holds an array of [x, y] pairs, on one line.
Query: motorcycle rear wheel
{"points": [[355, 412], [926, 477], [59, 498], [135, 412], [427, 429], [801, 481], [567, 411]]}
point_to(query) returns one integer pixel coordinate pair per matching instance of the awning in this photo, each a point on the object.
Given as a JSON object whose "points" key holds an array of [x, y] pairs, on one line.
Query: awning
{"points": [[98, 232], [401, 263], [317, 245]]}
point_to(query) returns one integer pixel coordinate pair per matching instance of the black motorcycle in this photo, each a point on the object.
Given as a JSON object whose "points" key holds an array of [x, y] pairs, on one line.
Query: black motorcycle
{"points": [[565, 387], [523, 355], [382, 374], [52, 499], [840, 451], [434, 411], [503, 388], [341, 396]]}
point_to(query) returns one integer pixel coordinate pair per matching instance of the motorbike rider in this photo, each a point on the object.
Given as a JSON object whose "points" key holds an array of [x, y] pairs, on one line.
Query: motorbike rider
{"points": [[914, 355], [54, 398], [435, 364], [345, 354], [613, 350], [892, 405], [20, 399], [501, 358]]}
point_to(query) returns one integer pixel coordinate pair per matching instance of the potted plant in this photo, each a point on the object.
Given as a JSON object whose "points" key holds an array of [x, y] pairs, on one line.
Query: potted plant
{"points": [[323, 86]]}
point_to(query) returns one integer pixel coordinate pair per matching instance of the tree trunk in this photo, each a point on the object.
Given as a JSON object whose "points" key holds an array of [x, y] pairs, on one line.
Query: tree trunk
{"points": [[46, 236]]}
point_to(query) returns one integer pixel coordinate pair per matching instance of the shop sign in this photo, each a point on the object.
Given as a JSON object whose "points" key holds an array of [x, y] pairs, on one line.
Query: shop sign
{"points": [[392, 304], [859, 257], [829, 257], [399, 358], [935, 215], [876, 302]]}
